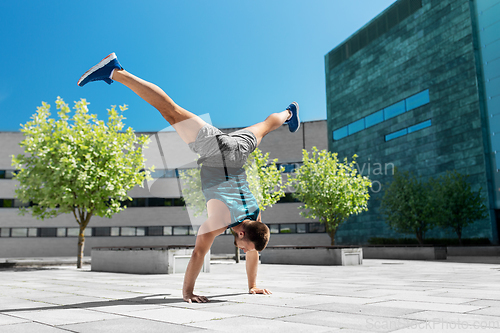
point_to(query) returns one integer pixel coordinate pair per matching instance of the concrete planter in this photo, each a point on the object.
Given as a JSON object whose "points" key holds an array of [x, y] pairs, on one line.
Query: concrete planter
{"points": [[144, 260], [474, 251], [312, 255], [405, 252]]}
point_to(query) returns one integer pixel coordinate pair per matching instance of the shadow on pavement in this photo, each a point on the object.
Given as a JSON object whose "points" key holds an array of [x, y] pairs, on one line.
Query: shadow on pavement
{"points": [[126, 301]]}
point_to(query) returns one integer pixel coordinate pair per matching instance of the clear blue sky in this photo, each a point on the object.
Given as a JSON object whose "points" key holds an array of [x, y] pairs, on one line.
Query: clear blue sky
{"points": [[237, 60]]}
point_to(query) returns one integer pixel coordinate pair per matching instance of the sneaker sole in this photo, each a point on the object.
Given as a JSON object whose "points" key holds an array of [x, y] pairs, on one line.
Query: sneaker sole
{"points": [[298, 119], [100, 65]]}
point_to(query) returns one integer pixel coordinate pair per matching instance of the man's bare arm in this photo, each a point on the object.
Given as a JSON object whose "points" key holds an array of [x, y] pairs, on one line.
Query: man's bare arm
{"points": [[252, 264], [203, 244]]}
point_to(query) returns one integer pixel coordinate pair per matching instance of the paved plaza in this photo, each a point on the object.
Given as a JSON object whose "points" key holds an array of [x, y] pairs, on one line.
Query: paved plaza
{"points": [[379, 296]]}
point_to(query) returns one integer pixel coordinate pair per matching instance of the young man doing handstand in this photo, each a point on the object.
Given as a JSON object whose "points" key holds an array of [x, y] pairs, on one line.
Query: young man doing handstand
{"points": [[230, 204]]}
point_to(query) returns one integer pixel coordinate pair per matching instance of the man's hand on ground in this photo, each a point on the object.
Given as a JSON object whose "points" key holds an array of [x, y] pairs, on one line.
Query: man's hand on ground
{"points": [[256, 290], [195, 298]]}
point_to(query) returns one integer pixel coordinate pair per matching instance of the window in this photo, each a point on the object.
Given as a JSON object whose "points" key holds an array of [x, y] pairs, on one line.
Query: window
{"points": [[155, 231], [301, 228], [180, 230], [394, 110], [274, 228], [397, 134], [316, 227], [356, 126], [102, 231], [167, 231], [417, 100], [127, 231], [115, 231], [340, 133], [419, 126], [5, 232], [32, 232], [2, 174], [47, 232], [290, 228], [374, 118], [61, 232], [389, 112]]}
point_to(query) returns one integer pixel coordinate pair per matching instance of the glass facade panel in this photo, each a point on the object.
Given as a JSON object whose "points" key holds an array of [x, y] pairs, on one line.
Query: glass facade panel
{"points": [[417, 100], [316, 227], [374, 118], [73, 232], [274, 228], [397, 134], [356, 126], [167, 231], [155, 231], [181, 230], [419, 126], [290, 228], [9, 174], [48, 232], [340, 133], [61, 232], [140, 231], [19, 232], [128, 231], [301, 228], [115, 231], [5, 232], [2, 174], [102, 231], [32, 232], [394, 110]]}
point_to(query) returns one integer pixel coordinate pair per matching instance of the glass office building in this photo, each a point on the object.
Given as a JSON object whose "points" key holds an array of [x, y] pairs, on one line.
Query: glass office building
{"points": [[418, 89]]}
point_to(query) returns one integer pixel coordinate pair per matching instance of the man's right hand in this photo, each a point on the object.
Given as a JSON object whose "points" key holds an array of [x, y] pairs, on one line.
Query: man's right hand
{"points": [[190, 298]]}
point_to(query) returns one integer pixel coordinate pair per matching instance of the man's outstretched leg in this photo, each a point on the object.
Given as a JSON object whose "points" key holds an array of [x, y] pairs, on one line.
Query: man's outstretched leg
{"points": [[185, 123], [290, 117]]}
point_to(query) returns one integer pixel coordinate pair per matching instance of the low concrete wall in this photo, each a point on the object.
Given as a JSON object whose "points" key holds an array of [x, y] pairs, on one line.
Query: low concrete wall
{"points": [[405, 252], [320, 255], [144, 260], [473, 251]]}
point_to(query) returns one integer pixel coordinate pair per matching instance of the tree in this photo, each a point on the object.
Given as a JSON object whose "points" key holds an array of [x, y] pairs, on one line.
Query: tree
{"points": [[78, 164], [330, 190], [263, 176], [457, 204], [407, 205]]}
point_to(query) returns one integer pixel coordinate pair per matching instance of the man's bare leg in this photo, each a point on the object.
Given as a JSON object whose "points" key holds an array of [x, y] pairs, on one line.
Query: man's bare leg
{"points": [[271, 123], [185, 123]]}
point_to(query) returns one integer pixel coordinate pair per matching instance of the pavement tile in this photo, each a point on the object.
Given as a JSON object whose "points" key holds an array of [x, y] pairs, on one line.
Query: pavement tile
{"points": [[8, 320], [471, 318], [8, 304], [489, 311], [351, 321], [370, 309], [428, 306], [130, 325], [245, 324], [257, 310], [63, 316], [487, 302], [178, 316], [31, 328]]}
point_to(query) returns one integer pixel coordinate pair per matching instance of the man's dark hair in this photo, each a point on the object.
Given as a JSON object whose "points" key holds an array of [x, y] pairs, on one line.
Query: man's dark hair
{"points": [[258, 233]]}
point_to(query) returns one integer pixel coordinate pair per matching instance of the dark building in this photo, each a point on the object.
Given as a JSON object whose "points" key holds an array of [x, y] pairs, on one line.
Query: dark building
{"points": [[418, 88]]}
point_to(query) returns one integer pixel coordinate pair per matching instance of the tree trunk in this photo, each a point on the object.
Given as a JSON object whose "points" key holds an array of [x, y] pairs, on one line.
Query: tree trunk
{"points": [[420, 238], [459, 234], [81, 245], [331, 232]]}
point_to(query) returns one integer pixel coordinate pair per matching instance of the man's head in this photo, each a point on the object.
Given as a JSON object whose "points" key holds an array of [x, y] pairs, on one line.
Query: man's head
{"points": [[253, 235]]}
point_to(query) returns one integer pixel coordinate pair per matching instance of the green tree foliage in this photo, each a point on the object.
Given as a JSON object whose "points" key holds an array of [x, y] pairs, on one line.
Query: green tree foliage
{"points": [[457, 204], [78, 164], [407, 205], [330, 190], [264, 179]]}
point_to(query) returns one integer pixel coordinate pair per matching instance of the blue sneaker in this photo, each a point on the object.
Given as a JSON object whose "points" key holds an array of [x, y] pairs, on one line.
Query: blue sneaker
{"points": [[294, 122], [102, 71]]}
